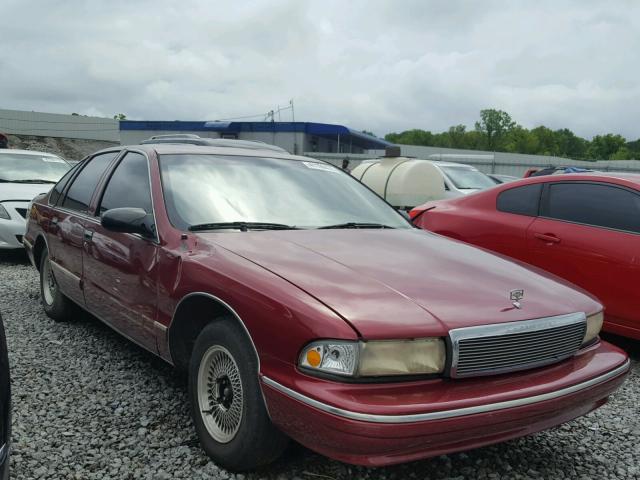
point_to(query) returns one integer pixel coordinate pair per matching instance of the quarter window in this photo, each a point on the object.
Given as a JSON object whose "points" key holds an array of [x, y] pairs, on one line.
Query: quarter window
{"points": [[595, 204], [59, 187], [79, 195], [129, 185], [520, 200]]}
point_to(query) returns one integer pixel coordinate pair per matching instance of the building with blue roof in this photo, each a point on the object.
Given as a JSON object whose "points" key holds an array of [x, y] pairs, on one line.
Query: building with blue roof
{"points": [[295, 137]]}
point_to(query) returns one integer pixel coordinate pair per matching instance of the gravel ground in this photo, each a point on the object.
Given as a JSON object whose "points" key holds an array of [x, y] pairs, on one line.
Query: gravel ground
{"points": [[88, 404]]}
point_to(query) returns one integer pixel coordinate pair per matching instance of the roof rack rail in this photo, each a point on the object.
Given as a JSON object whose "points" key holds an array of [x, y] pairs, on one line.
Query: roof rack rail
{"points": [[211, 142]]}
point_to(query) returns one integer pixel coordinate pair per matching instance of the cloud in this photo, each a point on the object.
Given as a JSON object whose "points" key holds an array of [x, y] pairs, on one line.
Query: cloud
{"points": [[376, 65]]}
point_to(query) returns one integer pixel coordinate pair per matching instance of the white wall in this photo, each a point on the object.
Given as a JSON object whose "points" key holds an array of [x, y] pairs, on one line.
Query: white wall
{"points": [[40, 124]]}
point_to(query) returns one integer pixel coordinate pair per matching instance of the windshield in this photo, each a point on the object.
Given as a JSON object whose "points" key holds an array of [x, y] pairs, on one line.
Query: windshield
{"points": [[206, 189], [465, 177], [18, 167]]}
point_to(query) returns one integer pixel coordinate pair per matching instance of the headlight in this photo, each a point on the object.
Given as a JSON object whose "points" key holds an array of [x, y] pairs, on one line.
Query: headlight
{"points": [[3, 213], [594, 325], [375, 358]]}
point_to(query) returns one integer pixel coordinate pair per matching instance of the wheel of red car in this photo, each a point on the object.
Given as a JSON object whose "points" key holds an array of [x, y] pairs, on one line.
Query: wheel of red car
{"points": [[226, 402], [55, 304]]}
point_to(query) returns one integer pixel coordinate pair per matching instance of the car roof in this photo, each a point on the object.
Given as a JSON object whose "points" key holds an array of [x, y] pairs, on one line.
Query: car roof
{"points": [[452, 164], [626, 177], [186, 148], [28, 152]]}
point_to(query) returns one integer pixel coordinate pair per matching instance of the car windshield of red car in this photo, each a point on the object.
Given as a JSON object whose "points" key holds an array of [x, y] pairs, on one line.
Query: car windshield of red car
{"points": [[206, 189]]}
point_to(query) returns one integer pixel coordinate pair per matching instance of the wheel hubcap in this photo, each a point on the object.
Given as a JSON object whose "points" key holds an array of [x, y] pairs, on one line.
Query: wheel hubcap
{"points": [[220, 396], [49, 285]]}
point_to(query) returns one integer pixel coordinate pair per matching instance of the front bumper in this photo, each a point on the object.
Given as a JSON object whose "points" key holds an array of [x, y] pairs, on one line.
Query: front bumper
{"points": [[385, 424], [13, 229], [4, 462]]}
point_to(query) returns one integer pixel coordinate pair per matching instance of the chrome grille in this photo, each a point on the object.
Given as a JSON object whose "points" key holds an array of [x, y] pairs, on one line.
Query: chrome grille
{"points": [[509, 347]]}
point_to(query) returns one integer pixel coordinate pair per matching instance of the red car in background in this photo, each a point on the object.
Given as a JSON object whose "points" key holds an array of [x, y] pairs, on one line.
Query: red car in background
{"points": [[303, 306], [584, 228]]}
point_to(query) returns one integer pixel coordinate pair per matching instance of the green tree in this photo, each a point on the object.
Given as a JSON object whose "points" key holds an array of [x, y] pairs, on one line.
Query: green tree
{"points": [[411, 137], [603, 147], [570, 145], [119, 116], [494, 125], [634, 148], [457, 136], [521, 140], [546, 139], [622, 154]]}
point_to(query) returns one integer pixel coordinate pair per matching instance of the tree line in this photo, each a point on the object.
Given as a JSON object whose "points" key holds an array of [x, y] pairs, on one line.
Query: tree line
{"points": [[496, 131]]}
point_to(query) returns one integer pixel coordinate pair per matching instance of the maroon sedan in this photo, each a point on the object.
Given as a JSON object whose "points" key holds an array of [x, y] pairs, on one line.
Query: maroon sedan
{"points": [[303, 306], [584, 228]]}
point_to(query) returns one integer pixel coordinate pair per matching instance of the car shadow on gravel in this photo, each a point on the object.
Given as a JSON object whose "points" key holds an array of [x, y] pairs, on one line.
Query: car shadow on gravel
{"points": [[632, 347], [14, 257]]}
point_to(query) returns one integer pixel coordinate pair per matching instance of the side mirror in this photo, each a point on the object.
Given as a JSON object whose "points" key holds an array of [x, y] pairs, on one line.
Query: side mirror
{"points": [[129, 220]]}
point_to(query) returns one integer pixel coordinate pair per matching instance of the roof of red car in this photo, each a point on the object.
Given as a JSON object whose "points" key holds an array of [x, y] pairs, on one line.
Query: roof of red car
{"points": [[600, 176], [183, 148]]}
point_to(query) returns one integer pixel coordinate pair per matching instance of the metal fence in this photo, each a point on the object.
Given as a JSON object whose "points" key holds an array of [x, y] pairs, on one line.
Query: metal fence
{"points": [[514, 164]]}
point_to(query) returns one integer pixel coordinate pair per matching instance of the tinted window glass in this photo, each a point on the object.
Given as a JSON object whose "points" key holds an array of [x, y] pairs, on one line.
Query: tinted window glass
{"points": [[521, 200], [59, 187], [129, 185], [81, 190], [598, 205]]}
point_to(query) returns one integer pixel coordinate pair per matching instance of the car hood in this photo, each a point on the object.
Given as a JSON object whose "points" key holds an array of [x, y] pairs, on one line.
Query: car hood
{"points": [[22, 191], [403, 283]]}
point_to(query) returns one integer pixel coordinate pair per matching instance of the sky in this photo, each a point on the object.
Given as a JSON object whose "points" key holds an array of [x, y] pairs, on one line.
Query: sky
{"points": [[383, 66]]}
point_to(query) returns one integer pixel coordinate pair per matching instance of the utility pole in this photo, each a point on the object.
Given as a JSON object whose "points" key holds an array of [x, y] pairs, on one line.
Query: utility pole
{"points": [[295, 132]]}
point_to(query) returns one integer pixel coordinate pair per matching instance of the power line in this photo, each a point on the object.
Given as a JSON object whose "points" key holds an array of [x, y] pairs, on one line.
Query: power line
{"points": [[265, 115]]}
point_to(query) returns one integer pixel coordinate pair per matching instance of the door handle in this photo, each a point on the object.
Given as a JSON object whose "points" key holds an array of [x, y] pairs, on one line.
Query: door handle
{"points": [[547, 237], [88, 236]]}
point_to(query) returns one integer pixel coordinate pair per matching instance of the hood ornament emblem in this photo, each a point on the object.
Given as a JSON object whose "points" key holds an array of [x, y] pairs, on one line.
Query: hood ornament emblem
{"points": [[515, 296]]}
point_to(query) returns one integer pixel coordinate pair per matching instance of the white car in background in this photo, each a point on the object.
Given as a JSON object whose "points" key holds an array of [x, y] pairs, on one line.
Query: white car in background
{"points": [[460, 179], [24, 174]]}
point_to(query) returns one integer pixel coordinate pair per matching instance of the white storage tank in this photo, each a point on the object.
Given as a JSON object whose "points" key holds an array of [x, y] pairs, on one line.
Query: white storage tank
{"points": [[404, 182]]}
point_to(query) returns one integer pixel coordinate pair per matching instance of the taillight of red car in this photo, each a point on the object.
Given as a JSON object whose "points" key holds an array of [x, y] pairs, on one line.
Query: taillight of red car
{"points": [[417, 211]]}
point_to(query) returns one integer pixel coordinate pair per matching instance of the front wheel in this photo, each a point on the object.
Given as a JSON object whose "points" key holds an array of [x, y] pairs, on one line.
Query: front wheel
{"points": [[226, 401], [55, 304]]}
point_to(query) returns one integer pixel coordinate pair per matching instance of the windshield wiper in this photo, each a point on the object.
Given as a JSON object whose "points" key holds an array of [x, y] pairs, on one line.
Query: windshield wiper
{"points": [[242, 226], [29, 180], [355, 225]]}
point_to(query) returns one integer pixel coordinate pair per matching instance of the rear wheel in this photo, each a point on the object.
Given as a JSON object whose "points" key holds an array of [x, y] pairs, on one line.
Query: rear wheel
{"points": [[55, 304], [226, 401]]}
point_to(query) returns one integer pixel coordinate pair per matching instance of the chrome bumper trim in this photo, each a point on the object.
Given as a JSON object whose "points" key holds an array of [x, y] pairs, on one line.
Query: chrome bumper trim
{"points": [[421, 417]]}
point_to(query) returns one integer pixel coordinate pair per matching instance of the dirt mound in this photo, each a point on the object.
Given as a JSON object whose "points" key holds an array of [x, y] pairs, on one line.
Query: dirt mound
{"points": [[69, 148]]}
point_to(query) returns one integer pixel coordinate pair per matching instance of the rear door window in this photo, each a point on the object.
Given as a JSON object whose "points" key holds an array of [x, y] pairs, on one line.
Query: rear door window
{"points": [[81, 190], [523, 200], [599, 205]]}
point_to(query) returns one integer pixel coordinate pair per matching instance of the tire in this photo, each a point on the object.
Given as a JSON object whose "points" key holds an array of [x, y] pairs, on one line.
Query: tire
{"points": [[227, 406], [55, 304]]}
